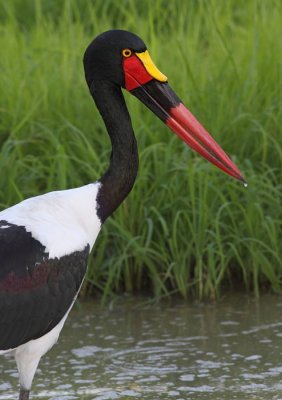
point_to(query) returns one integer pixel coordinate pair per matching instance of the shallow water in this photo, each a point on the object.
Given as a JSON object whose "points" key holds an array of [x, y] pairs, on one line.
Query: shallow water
{"points": [[229, 350]]}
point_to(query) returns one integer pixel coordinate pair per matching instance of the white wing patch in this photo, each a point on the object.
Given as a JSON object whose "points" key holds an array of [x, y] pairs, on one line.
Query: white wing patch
{"points": [[63, 221]]}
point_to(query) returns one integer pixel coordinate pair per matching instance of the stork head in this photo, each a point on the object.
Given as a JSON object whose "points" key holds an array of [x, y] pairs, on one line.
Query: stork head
{"points": [[120, 58]]}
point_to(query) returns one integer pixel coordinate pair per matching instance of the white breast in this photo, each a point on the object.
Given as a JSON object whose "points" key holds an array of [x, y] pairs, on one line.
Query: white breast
{"points": [[63, 221]]}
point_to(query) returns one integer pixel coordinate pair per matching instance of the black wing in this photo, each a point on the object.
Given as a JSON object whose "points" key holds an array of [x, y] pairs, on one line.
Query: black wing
{"points": [[35, 291]]}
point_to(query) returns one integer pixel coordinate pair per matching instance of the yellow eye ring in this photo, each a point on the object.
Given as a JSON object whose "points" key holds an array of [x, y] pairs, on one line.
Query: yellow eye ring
{"points": [[126, 53]]}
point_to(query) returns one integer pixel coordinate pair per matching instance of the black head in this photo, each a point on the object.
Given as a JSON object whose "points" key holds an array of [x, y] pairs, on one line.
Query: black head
{"points": [[106, 62], [103, 57]]}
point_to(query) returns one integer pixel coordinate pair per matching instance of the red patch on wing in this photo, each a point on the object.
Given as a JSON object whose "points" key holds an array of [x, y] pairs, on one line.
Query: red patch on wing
{"points": [[135, 73], [37, 278]]}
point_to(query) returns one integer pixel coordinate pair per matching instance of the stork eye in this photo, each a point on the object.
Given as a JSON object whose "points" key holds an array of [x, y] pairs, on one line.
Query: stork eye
{"points": [[126, 52]]}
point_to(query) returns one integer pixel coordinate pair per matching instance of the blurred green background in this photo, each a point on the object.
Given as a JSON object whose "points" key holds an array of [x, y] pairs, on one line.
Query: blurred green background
{"points": [[186, 228]]}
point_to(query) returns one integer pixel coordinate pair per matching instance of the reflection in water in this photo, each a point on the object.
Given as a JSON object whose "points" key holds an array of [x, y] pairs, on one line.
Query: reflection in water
{"points": [[230, 350]]}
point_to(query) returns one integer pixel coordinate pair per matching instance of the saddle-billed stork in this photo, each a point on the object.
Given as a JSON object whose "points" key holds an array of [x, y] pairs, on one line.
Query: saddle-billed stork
{"points": [[45, 241]]}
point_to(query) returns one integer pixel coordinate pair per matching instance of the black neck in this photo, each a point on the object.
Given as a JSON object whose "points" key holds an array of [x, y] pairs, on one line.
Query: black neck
{"points": [[118, 180]]}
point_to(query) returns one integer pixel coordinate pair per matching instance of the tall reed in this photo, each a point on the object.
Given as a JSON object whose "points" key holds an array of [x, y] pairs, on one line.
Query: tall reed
{"points": [[186, 228]]}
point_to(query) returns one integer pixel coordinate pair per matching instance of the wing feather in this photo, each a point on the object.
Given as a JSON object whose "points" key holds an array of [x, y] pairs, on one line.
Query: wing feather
{"points": [[35, 291]]}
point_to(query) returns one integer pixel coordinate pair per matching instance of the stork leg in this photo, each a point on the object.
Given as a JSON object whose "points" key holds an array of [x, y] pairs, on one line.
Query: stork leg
{"points": [[24, 394]]}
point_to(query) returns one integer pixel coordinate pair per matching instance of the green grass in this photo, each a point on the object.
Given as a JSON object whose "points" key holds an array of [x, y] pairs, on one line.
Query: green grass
{"points": [[186, 228]]}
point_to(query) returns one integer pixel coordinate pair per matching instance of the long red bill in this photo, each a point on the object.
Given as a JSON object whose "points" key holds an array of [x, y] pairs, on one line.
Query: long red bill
{"points": [[162, 100], [187, 127]]}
